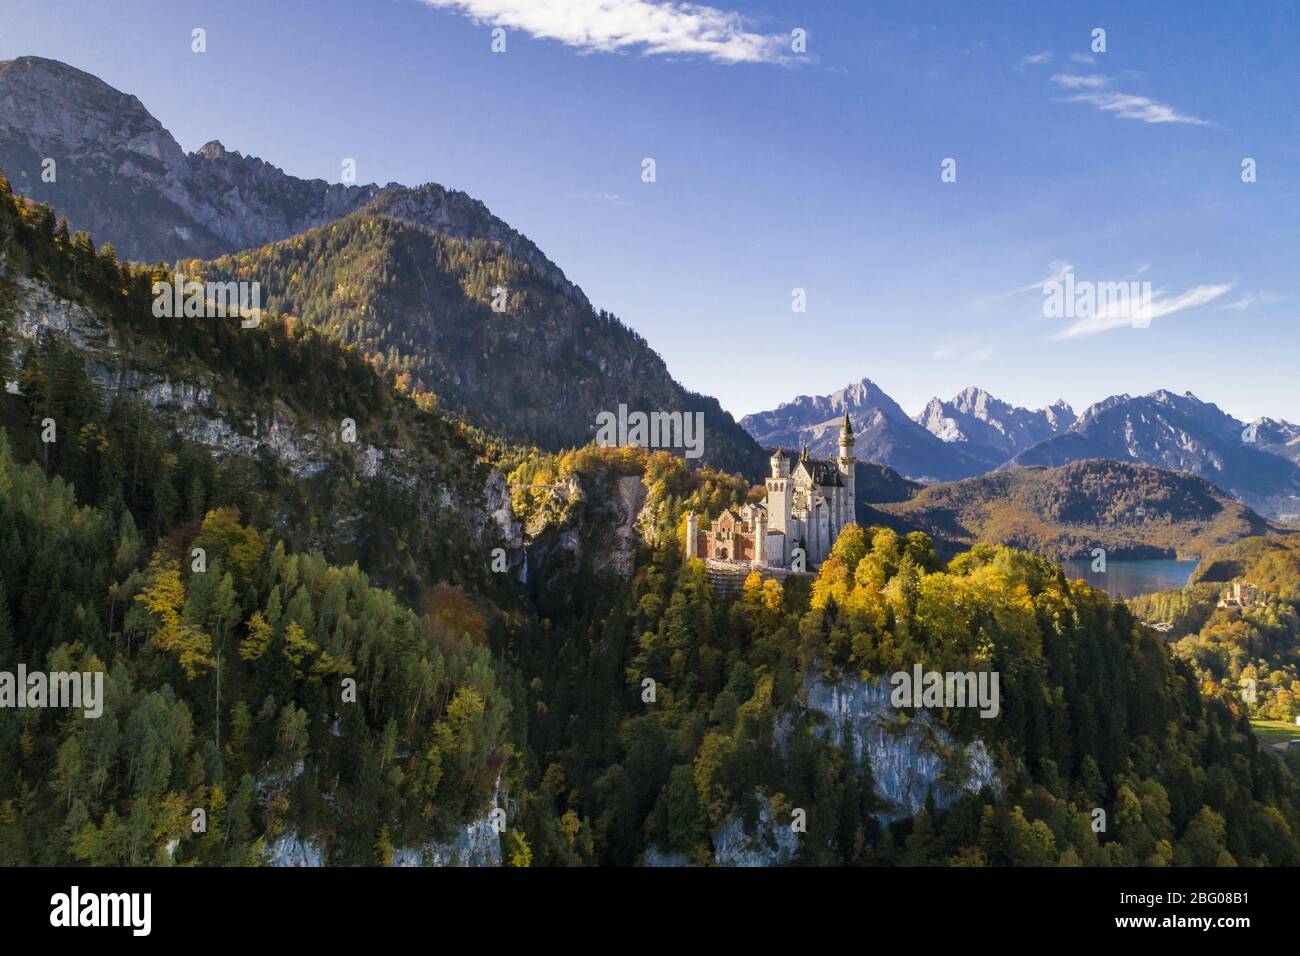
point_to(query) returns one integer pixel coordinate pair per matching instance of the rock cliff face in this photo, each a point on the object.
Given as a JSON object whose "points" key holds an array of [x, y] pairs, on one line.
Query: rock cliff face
{"points": [[607, 524], [908, 760], [192, 404], [477, 845], [773, 843], [291, 850]]}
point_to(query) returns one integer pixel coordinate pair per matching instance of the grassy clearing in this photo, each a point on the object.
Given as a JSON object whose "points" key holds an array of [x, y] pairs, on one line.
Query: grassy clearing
{"points": [[1274, 731]]}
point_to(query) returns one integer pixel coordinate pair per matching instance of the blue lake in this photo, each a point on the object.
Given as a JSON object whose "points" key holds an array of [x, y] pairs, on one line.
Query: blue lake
{"points": [[1133, 578]]}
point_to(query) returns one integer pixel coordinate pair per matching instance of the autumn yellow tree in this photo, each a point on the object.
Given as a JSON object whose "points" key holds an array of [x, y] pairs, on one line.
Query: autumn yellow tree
{"points": [[164, 598]]}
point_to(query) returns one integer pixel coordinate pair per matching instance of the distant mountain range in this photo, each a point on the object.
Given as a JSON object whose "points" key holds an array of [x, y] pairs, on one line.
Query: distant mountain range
{"points": [[990, 427], [884, 432], [435, 290], [974, 433]]}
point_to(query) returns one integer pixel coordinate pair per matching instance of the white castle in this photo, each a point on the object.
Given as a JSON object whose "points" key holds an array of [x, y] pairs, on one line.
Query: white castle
{"points": [[806, 507]]}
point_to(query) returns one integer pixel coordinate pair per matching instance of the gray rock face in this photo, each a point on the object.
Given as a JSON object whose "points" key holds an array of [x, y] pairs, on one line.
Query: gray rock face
{"points": [[908, 760], [193, 410], [976, 418], [611, 521], [38, 310], [771, 844], [292, 850], [496, 494], [477, 845], [629, 522], [656, 858], [121, 176]]}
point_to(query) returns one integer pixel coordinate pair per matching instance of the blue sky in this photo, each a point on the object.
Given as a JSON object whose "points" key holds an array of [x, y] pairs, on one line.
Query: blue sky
{"points": [[819, 171]]}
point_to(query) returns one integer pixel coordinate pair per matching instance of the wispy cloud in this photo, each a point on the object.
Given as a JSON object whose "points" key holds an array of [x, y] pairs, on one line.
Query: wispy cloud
{"points": [[1116, 318], [1077, 82], [1248, 299], [649, 27], [1124, 105], [1128, 106], [1082, 58], [1058, 267], [1036, 59]]}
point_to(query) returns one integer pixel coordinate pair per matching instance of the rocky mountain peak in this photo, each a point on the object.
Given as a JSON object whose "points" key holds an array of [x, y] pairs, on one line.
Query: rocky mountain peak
{"points": [[971, 399], [63, 113], [1060, 415], [138, 187], [994, 429], [213, 150]]}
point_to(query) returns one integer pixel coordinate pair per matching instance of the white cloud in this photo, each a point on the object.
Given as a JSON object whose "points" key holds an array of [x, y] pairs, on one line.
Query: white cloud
{"points": [[1128, 106], [1117, 318], [1124, 105], [651, 27], [1082, 58]]}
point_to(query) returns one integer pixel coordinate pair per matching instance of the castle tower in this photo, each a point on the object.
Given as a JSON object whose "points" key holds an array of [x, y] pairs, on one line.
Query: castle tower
{"points": [[846, 462], [692, 535], [780, 495]]}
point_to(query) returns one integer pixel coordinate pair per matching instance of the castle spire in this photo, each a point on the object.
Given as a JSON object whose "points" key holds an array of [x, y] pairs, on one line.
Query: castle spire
{"points": [[846, 438]]}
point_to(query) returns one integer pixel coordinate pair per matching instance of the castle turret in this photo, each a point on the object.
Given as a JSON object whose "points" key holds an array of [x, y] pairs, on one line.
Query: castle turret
{"points": [[692, 535], [846, 462], [780, 464]]}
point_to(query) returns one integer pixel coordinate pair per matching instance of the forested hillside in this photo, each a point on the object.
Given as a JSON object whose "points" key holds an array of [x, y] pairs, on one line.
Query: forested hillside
{"points": [[1095, 714], [1255, 648], [1129, 510], [174, 565], [223, 692], [197, 545], [498, 343]]}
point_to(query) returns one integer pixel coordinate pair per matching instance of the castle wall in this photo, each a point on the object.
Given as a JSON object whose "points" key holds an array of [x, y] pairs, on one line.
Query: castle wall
{"points": [[823, 533], [776, 553]]}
